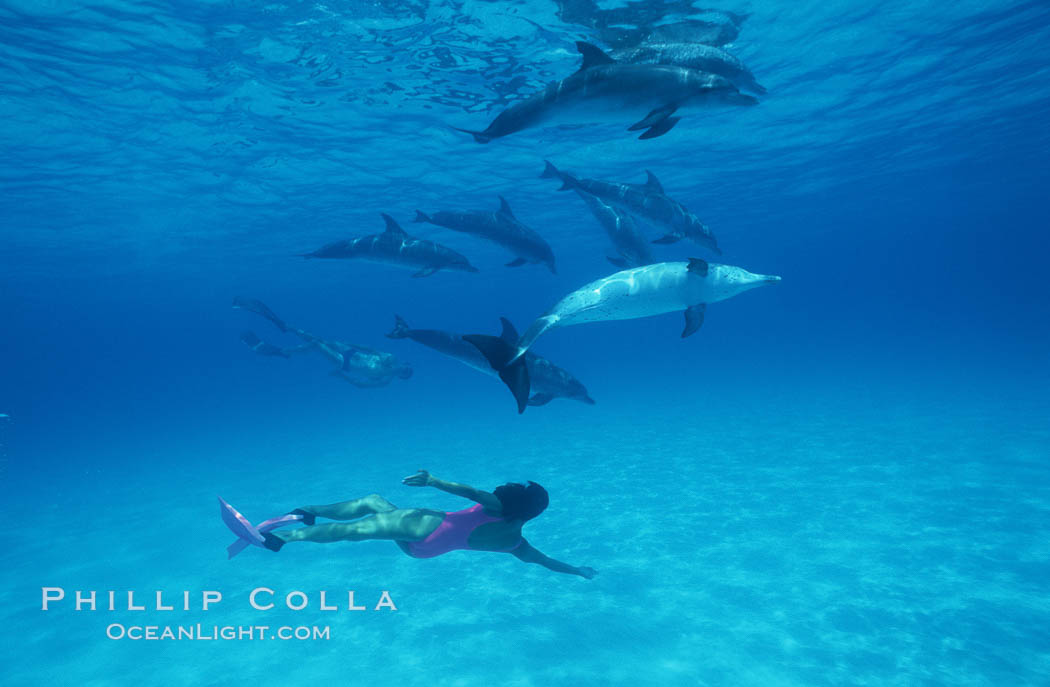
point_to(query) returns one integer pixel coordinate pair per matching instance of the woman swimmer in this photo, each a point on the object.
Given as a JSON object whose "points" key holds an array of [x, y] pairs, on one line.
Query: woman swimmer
{"points": [[493, 524]]}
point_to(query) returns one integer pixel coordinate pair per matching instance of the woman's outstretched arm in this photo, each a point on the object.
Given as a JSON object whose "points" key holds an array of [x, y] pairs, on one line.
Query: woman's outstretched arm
{"points": [[486, 498], [529, 554]]}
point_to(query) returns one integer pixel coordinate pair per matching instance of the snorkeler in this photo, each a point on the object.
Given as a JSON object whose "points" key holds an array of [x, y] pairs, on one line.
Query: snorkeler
{"points": [[493, 524]]}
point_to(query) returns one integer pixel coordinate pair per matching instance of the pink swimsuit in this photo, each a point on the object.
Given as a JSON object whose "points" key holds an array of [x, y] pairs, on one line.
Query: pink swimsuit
{"points": [[453, 533]]}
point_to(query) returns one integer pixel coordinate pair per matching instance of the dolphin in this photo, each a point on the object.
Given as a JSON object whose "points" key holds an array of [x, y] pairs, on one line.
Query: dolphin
{"points": [[548, 380], [622, 230], [395, 247], [359, 365], [604, 90], [705, 58], [628, 27], [630, 294], [500, 227], [648, 200]]}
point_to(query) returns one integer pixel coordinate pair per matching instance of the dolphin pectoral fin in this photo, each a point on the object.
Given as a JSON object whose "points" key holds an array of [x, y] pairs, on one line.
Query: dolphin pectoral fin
{"points": [[619, 262], [425, 272], [540, 400], [654, 118], [479, 136], [698, 266], [668, 239], [660, 128], [516, 263], [592, 55], [694, 317]]}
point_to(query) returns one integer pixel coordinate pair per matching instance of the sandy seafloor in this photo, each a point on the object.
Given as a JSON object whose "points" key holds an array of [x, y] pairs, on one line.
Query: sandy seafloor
{"points": [[886, 540]]}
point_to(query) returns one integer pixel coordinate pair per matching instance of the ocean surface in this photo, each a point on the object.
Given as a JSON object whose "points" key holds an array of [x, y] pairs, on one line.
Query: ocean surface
{"points": [[841, 479]]}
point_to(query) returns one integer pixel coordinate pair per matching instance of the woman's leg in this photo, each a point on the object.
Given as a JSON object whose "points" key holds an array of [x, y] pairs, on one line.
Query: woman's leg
{"points": [[408, 524], [348, 510]]}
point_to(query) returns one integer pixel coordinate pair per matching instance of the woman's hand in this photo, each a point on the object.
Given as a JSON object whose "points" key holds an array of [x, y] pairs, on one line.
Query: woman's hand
{"points": [[588, 573], [420, 479]]}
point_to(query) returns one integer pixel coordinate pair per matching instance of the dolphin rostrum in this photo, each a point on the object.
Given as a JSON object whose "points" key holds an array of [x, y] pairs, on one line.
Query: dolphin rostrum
{"points": [[395, 247], [548, 381], [630, 294], [361, 366], [500, 227], [648, 201], [705, 58], [604, 90]]}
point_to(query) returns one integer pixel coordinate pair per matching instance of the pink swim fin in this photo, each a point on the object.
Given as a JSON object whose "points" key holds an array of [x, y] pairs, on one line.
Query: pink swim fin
{"points": [[248, 534]]}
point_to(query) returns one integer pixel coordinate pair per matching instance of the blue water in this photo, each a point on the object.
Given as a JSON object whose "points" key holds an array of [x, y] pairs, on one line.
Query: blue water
{"points": [[842, 479]]}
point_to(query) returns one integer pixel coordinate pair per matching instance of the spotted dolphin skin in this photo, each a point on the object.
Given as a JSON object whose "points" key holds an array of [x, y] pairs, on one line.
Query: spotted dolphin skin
{"points": [[500, 227], [706, 58], [622, 27], [630, 294], [548, 380], [648, 201], [631, 247], [604, 90], [395, 247]]}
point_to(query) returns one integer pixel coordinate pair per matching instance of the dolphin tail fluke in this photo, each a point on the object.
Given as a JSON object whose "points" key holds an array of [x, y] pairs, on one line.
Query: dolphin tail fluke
{"points": [[479, 136], [400, 330], [507, 360], [421, 216]]}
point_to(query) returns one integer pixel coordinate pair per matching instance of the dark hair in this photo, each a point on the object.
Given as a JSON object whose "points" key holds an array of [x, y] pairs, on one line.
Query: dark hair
{"points": [[522, 502]]}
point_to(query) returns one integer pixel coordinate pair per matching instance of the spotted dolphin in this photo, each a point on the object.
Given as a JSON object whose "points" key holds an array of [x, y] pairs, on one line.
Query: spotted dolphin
{"points": [[548, 380], [631, 247], [395, 247], [604, 90], [648, 201], [706, 58], [500, 227], [359, 365], [623, 27], [630, 294]]}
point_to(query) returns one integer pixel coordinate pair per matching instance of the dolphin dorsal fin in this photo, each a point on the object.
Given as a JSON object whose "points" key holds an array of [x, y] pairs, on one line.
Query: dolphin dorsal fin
{"points": [[652, 183], [504, 207], [592, 55], [392, 227], [509, 333], [698, 266]]}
